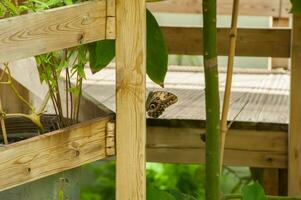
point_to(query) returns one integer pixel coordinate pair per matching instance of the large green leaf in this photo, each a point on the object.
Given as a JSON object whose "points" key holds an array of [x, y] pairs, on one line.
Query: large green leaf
{"points": [[253, 192], [153, 193], [157, 55], [101, 53], [296, 6]]}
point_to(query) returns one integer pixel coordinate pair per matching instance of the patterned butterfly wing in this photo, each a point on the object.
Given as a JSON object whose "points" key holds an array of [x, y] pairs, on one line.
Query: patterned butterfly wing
{"points": [[158, 101]]}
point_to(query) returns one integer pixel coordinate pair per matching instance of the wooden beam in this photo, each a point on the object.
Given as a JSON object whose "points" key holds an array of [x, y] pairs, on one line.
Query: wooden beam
{"points": [[281, 63], [51, 30], [52, 153], [130, 99], [294, 148], [224, 7], [250, 42], [267, 149]]}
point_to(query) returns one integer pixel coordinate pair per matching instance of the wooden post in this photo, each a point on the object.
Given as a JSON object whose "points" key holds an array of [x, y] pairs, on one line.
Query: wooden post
{"points": [[281, 63], [294, 147], [130, 99]]}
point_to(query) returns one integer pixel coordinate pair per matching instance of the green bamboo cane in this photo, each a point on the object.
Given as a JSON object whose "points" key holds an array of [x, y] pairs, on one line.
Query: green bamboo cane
{"points": [[212, 102]]}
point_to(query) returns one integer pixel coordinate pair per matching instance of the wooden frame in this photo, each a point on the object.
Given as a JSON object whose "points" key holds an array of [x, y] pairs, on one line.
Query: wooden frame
{"points": [[20, 37], [54, 152], [294, 156], [275, 8], [130, 99]]}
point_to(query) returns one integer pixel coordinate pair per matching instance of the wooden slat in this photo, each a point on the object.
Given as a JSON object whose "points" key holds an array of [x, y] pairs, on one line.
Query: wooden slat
{"points": [[294, 156], [130, 99], [250, 42], [224, 7], [253, 148], [52, 153], [50, 30]]}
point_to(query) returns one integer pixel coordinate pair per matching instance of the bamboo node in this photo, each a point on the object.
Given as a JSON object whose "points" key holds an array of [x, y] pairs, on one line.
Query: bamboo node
{"points": [[210, 63]]}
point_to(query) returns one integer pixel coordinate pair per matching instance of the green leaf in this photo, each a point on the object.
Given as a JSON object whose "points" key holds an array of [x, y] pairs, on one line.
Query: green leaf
{"points": [[181, 196], [296, 6], [68, 2], [253, 192], [157, 55], [153, 193], [101, 53]]}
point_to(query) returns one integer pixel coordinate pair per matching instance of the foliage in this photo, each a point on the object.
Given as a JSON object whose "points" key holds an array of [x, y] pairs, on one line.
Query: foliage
{"points": [[253, 191], [103, 52], [183, 182], [296, 6]]}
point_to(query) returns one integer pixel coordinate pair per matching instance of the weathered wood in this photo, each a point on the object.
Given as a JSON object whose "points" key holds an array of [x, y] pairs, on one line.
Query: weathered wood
{"points": [[224, 7], [250, 42], [270, 181], [280, 62], [52, 153], [50, 30], [271, 8], [130, 99], [294, 148], [266, 149]]}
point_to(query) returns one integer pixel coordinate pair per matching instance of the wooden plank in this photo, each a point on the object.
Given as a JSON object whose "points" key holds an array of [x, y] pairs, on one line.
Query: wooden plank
{"points": [[130, 99], [281, 63], [294, 151], [52, 153], [250, 42], [266, 149], [224, 7], [51, 30]]}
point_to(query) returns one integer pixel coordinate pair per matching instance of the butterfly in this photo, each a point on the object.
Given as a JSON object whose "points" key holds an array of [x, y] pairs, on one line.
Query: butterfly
{"points": [[158, 101]]}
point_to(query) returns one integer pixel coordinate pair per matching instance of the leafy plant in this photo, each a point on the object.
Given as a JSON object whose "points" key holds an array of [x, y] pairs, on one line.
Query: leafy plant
{"points": [[103, 52], [296, 6]]}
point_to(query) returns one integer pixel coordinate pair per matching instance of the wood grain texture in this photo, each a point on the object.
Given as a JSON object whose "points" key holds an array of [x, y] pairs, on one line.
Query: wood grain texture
{"points": [[130, 99], [250, 42], [50, 30], [52, 153], [253, 148], [224, 7], [294, 156]]}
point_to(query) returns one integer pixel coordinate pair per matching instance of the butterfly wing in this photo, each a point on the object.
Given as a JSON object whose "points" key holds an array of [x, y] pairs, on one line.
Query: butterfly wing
{"points": [[158, 101]]}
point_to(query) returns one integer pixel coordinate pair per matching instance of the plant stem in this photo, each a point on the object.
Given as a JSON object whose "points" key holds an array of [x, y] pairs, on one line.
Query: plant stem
{"points": [[4, 133], [212, 180], [227, 94], [14, 89], [79, 97]]}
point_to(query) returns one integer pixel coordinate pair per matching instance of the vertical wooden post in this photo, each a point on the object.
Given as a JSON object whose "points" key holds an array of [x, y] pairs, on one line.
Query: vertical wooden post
{"points": [[294, 157], [130, 99]]}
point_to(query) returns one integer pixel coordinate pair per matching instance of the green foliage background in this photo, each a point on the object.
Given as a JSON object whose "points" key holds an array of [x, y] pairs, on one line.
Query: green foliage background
{"points": [[98, 179]]}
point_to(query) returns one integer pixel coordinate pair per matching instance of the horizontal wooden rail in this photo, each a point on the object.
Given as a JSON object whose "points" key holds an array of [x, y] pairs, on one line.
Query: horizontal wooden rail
{"points": [[273, 8], [69, 26], [52, 153], [54, 29], [268, 42], [266, 149], [68, 148]]}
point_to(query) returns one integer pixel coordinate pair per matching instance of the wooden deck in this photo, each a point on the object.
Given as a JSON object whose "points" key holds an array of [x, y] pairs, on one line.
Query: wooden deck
{"points": [[260, 97]]}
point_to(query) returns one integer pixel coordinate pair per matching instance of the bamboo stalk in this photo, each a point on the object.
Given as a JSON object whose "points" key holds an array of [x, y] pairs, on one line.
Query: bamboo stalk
{"points": [[227, 94], [212, 180], [4, 133]]}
